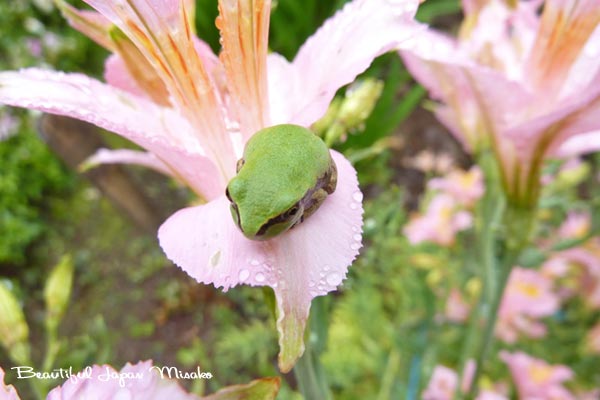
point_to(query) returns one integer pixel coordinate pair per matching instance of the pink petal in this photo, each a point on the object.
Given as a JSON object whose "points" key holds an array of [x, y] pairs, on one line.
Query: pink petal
{"points": [[308, 261], [572, 116], [159, 130], [92, 24], [579, 145], [7, 392], [125, 156], [117, 75], [141, 381], [161, 31], [244, 27], [340, 50]]}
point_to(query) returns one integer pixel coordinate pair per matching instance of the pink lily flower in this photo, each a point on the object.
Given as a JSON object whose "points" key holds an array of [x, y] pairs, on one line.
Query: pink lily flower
{"points": [[441, 222], [528, 297], [141, 381], [465, 186], [536, 379], [517, 82], [443, 382], [193, 111]]}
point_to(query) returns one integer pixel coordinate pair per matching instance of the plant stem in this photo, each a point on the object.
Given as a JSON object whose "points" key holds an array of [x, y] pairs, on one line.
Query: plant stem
{"points": [[518, 222], [308, 370]]}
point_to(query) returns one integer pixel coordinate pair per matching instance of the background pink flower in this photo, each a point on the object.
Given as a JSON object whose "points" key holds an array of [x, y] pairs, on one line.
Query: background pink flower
{"points": [[536, 379], [528, 297]]}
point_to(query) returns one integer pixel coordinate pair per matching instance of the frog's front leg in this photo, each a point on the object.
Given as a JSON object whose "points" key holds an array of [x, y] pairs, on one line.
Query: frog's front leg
{"points": [[315, 201]]}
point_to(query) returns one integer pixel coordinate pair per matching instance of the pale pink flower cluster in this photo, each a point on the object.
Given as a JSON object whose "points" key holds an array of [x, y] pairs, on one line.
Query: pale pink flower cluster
{"points": [[576, 226], [465, 186], [443, 384], [583, 265], [536, 379], [448, 211], [457, 309], [528, 297]]}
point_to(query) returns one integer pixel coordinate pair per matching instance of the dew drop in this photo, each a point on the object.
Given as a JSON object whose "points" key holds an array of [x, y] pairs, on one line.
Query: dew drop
{"points": [[214, 259], [254, 262], [355, 246], [334, 279], [353, 206], [244, 274], [357, 196], [259, 277], [357, 237], [311, 284], [326, 268]]}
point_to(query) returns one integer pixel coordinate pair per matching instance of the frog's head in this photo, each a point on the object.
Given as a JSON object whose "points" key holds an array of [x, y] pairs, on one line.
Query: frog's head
{"points": [[259, 215]]}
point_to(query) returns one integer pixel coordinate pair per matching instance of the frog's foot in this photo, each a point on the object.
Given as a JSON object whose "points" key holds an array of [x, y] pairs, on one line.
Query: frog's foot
{"points": [[329, 179]]}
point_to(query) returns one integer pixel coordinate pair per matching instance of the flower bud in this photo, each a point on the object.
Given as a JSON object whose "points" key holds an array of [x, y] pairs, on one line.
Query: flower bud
{"points": [[58, 291], [360, 101], [14, 331]]}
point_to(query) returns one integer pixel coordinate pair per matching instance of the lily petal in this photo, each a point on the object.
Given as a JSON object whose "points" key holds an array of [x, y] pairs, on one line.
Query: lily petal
{"points": [[92, 24], [159, 130], [7, 392], [117, 75], [244, 27], [161, 31], [125, 156], [140, 381], [565, 28], [308, 261], [580, 144], [341, 49]]}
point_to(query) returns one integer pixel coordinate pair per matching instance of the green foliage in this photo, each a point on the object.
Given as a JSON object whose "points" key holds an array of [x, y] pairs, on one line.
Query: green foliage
{"points": [[30, 175]]}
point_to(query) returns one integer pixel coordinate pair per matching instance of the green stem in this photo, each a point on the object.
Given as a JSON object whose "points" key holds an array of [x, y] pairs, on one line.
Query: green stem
{"points": [[308, 370], [488, 217], [518, 223]]}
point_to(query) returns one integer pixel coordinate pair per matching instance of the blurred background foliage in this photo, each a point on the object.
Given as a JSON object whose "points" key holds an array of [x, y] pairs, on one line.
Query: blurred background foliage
{"points": [[129, 303]]}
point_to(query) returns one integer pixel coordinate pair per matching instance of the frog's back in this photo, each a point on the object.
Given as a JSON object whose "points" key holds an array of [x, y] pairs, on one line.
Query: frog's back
{"points": [[289, 158], [295, 151]]}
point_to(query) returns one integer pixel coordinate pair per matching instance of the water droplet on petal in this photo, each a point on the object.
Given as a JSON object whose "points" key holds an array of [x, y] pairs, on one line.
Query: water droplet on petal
{"points": [[214, 259], [334, 279], [259, 277], [244, 274], [355, 246], [353, 206], [254, 262], [357, 196], [357, 237], [326, 268], [311, 284]]}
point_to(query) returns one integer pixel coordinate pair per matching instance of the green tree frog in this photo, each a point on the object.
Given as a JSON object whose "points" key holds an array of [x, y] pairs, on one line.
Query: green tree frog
{"points": [[284, 175]]}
